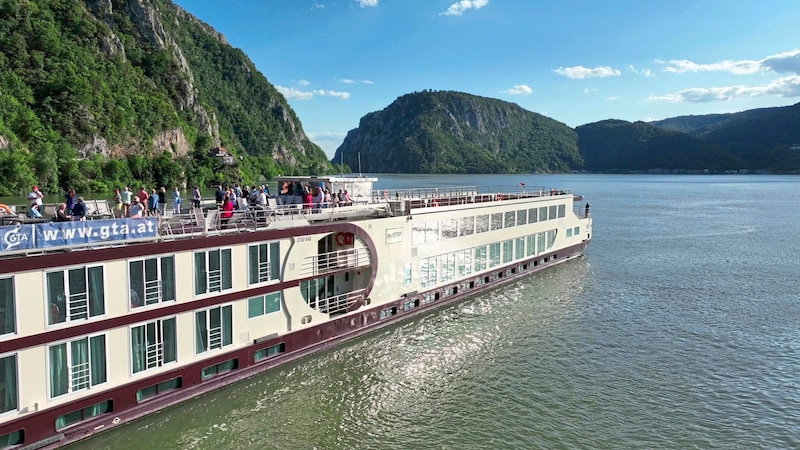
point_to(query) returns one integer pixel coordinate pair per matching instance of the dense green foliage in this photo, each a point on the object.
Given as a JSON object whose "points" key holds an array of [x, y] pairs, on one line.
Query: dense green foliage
{"points": [[620, 146], [454, 132], [71, 76]]}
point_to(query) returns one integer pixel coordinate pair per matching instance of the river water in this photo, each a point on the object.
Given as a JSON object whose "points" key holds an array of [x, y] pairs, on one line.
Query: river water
{"points": [[679, 329]]}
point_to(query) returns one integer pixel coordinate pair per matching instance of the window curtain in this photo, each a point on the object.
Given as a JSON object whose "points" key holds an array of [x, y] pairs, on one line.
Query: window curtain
{"points": [[227, 269], [57, 309], [97, 357], [77, 299], [96, 295], [170, 345], [227, 325], [201, 332], [274, 261], [168, 279], [151, 281], [7, 315], [253, 263], [79, 370], [200, 273], [136, 277], [59, 384], [8, 385], [138, 349]]}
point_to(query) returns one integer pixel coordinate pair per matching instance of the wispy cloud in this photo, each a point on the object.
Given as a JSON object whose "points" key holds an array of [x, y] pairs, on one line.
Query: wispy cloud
{"points": [[612, 98], [297, 94], [458, 8], [783, 87], [580, 72], [317, 6], [303, 82], [366, 3], [352, 81], [518, 89], [786, 62], [589, 90], [645, 72]]}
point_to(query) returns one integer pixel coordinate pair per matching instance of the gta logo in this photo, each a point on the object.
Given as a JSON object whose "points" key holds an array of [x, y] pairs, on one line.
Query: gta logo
{"points": [[12, 238]]}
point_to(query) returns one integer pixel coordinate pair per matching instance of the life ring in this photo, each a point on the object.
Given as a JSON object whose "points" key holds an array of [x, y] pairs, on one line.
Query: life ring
{"points": [[340, 239], [5, 209]]}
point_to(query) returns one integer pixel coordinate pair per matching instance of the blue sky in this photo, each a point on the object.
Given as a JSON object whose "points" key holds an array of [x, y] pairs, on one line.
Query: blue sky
{"points": [[574, 61]]}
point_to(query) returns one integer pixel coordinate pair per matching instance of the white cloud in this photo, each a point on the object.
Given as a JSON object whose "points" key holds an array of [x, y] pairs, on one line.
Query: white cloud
{"points": [[352, 81], [365, 3], [317, 6], [645, 72], [303, 82], [518, 89], [786, 62], [296, 94], [581, 72], [611, 99], [458, 8], [328, 140], [784, 87], [590, 90]]}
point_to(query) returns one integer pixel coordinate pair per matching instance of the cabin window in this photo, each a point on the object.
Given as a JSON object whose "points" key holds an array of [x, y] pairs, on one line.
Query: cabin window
{"points": [[464, 262], [562, 210], [576, 231], [494, 254], [532, 215], [508, 251], [449, 228], [77, 365], [263, 304], [447, 263], [569, 232], [510, 219], [428, 271], [219, 369], [407, 270], [497, 221], [75, 294], [269, 352], [466, 226], [482, 223], [80, 415], [14, 438], [7, 316], [480, 258], [263, 262], [8, 385], [214, 328], [158, 389], [551, 238], [540, 237], [212, 271], [519, 248], [522, 217], [152, 281], [530, 244], [542, 213], [153, 344], [552, 213]]}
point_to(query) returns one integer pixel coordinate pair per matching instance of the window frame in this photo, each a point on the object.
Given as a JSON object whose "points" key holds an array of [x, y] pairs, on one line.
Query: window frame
{"points": [[160, 259], [160, 338], [226, 273], [70, 358], [66, 291]]}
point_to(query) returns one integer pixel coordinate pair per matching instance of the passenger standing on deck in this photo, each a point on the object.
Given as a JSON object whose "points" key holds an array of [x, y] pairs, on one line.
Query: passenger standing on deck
{"points": [[70, 196], [219, 196], [136, 209], [35, 196], [152, 203], [196, 197], [78, 210], [143, 196], [117, 199], [227, 210], [162, 201], [176, 200], [126, 196]]}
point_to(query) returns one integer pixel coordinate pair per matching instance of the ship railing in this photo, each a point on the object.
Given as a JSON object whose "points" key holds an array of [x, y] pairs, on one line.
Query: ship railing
{"points": [[78, 306], [80, 375], [325, 263], [339, 304], [153, 355]]}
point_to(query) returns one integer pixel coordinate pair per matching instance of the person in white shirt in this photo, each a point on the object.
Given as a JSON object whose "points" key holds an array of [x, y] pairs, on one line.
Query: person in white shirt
{"points": [[35, 196]]}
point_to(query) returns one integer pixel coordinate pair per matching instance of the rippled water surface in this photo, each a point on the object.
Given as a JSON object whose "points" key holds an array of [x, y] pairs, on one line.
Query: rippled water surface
{"points": [[680, 328]]}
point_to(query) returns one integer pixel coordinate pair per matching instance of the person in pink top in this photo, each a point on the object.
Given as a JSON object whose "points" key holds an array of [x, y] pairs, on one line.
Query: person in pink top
{"points": [[227, 210]]}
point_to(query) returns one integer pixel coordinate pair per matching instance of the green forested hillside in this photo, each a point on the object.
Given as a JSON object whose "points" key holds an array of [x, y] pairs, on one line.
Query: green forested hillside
{"points": [[455, 132], [620, 146], [101, 93]]}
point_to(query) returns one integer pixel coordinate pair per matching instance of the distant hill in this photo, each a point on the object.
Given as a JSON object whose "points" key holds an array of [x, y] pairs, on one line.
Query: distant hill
{"points": [[620, 146], [455, 132]]}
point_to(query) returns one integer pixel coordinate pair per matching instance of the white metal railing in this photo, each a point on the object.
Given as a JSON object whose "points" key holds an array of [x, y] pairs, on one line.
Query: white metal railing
{"points": [[333, 261], [153, 355], [214, 338], [152, 292], [80, 376], [339, 304], [78, 306]]}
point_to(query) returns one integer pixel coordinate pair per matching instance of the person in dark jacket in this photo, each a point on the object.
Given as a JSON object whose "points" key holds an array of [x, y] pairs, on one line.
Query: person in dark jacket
{"points": [[79, 210]]}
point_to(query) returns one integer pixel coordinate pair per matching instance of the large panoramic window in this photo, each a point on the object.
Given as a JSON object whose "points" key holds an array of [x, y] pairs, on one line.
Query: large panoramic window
{"points": [[75, 294], [212, 271], [263, 304], [508, 248], [213, 328], [466, 226], [519, 248], [428, 271], [263, 262], [77, 365], [7, 316], [530, 244], [8, 388], [153, 344], [494, 254], [152, 281], [480, 258], [464, 262]]}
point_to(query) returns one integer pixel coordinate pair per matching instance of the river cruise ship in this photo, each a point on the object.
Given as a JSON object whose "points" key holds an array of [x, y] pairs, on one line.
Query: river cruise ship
{"points": [[104, 321]]}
